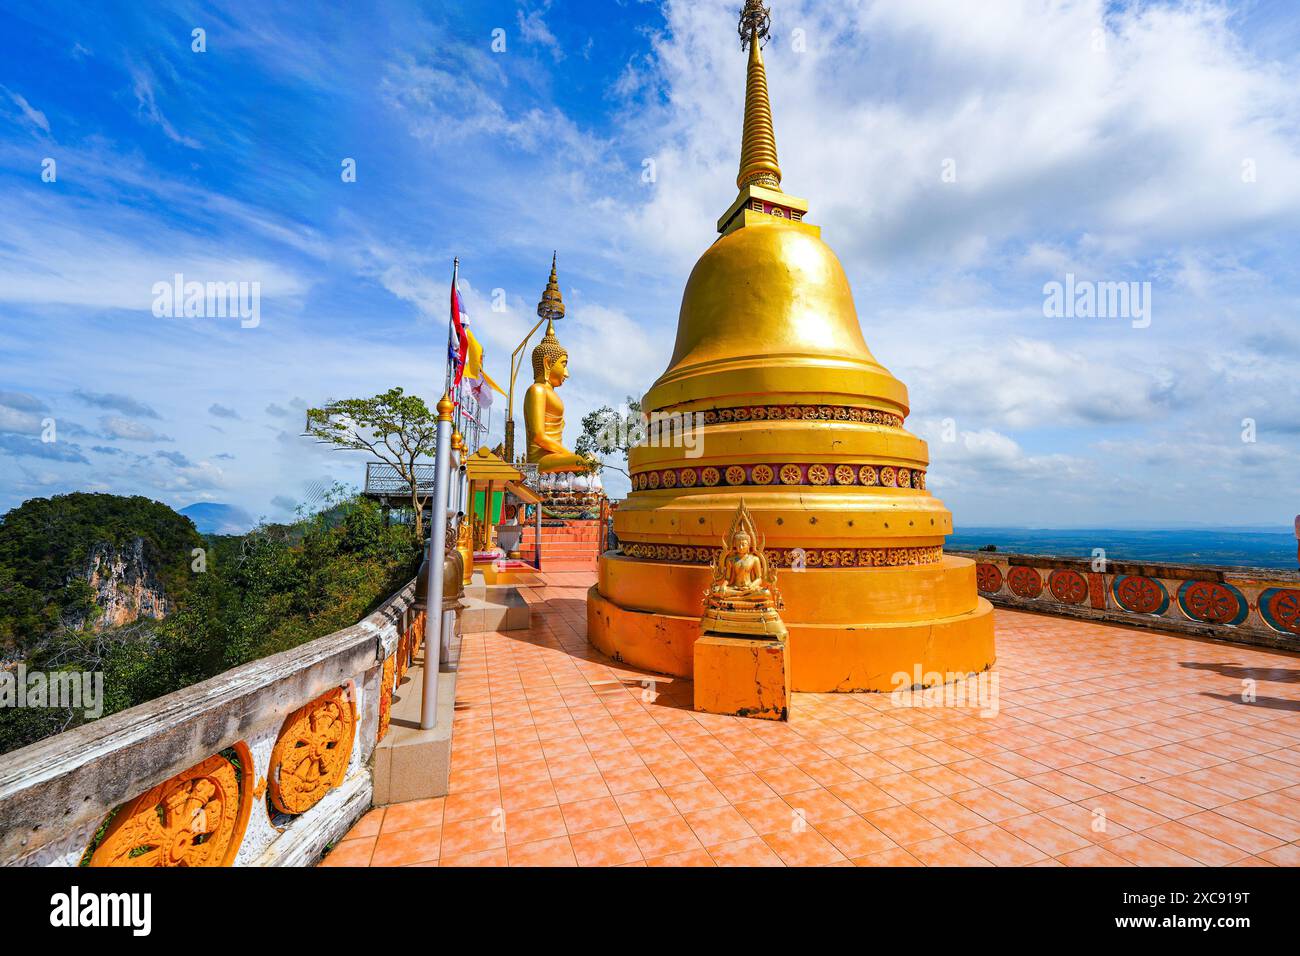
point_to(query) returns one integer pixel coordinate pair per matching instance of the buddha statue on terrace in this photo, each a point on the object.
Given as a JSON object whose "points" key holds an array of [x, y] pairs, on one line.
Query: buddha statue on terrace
{"points": [[544, 409]]}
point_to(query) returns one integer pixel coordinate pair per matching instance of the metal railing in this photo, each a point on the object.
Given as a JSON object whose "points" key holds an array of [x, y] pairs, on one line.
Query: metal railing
{"points": [[383, 480]]}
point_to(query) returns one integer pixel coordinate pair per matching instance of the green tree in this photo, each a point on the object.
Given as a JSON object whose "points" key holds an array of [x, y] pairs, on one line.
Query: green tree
{"points": [[611, 432], [395, 427]]}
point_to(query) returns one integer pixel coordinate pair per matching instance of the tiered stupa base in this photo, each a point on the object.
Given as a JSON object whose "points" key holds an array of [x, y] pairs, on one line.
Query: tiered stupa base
{"points": [[871, 626]]}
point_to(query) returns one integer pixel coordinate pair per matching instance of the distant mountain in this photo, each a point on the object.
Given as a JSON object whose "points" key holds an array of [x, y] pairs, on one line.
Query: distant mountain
{"points": [[212, 517]]}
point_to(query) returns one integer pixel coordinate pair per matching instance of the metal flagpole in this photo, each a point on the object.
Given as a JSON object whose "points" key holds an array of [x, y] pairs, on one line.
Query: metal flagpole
{"points": [[437, 526]]}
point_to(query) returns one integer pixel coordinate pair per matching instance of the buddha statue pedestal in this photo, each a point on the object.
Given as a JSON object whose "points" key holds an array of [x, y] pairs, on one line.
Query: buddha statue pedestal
{"points": [[742, 677], [741, 660]]}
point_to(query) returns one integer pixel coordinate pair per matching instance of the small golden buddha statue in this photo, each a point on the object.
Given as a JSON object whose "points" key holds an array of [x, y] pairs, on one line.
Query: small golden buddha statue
{"points": [[743, 599], [544, 410], [741, 576]]}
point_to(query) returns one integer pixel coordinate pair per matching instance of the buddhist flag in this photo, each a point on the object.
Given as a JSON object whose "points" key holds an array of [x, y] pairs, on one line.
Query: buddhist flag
{"points": [[457, 339], [480, 382]]}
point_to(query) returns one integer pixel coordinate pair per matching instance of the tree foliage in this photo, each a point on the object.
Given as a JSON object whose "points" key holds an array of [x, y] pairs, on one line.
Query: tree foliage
{"points": [[610, 432], [396, 428]]}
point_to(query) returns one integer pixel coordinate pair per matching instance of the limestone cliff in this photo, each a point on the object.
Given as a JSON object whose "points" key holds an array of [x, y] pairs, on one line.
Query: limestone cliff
{"points": [[126, 585]]}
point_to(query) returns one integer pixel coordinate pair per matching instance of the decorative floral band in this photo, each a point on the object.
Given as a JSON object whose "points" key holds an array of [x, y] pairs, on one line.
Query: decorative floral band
{"points": [[794, 557], [885, 476], [806, 413]]}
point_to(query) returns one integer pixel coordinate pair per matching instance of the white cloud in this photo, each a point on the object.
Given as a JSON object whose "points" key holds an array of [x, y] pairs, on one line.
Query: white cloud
{"points": [[143, 88], [33, 116], [115, 426]]}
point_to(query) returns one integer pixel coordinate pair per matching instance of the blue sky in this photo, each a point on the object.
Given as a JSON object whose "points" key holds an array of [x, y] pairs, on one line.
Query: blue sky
{"points": [[956, 164]]}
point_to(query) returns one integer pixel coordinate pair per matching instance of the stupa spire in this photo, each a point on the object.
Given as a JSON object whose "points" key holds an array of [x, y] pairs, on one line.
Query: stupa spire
{"points": [[552, 306], [758, 165]]}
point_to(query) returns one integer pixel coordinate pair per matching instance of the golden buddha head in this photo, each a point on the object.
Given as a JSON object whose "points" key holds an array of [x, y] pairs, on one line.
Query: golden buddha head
{"points": [[741, 543], [550, 359]]}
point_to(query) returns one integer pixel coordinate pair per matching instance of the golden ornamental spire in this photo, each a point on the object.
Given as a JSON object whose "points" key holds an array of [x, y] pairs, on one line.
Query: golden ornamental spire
{"points": [[552, 306], [758, 164]]}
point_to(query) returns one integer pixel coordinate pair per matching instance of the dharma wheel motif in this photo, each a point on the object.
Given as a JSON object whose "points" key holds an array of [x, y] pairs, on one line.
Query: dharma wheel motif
{"points": [[1280, 608], [1213, 602], [311, 755], [1140, 595], [197, 818], [988, 577], [1025, 582], [1068, 587]]}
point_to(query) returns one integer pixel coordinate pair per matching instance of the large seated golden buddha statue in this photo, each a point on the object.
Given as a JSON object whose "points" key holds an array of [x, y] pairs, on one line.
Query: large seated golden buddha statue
{"points": [[543, 407]]}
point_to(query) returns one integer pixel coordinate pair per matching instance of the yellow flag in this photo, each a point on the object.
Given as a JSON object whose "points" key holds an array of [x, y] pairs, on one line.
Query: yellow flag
{"points": [[474, 362]]}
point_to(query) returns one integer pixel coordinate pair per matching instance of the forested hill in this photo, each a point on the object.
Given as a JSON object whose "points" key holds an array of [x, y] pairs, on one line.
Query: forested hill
{"points": [[153, 619], [80, 559]]}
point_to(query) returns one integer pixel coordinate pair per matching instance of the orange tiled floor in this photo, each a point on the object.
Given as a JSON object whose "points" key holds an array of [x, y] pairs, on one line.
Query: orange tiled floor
{"points": [[1112, 747]]}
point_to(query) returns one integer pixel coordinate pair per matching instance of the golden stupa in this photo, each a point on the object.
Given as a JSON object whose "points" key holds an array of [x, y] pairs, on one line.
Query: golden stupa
{"points": [[799, 418]]}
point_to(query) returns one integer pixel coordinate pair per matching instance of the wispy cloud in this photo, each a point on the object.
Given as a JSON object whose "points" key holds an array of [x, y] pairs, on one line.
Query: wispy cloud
{"points": [[143, 84], [115, 426], [116, 402], [34, 117]]}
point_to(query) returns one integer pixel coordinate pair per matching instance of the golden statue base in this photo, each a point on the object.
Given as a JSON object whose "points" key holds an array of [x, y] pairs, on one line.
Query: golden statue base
{"points": [[726, 619]]}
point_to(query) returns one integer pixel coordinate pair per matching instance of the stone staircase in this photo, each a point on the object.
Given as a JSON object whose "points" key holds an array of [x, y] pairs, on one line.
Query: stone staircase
{"points": [[571, 547]]}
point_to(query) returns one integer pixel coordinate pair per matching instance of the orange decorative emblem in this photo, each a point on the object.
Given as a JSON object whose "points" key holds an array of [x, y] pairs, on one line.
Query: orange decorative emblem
{"points": [[197, 818], [312, 752], [386, 693]]}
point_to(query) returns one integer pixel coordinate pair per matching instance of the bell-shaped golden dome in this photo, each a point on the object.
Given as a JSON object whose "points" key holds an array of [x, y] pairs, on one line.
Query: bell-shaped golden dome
{"points": [[768, 309]]}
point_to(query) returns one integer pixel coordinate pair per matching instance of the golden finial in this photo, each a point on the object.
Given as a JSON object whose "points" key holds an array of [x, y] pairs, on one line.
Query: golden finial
{"points": [[758, 165], [445, 407], [552, 306]]}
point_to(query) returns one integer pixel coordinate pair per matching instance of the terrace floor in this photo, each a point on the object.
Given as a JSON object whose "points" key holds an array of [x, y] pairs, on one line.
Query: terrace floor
{"points": [[1111, 746]]}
